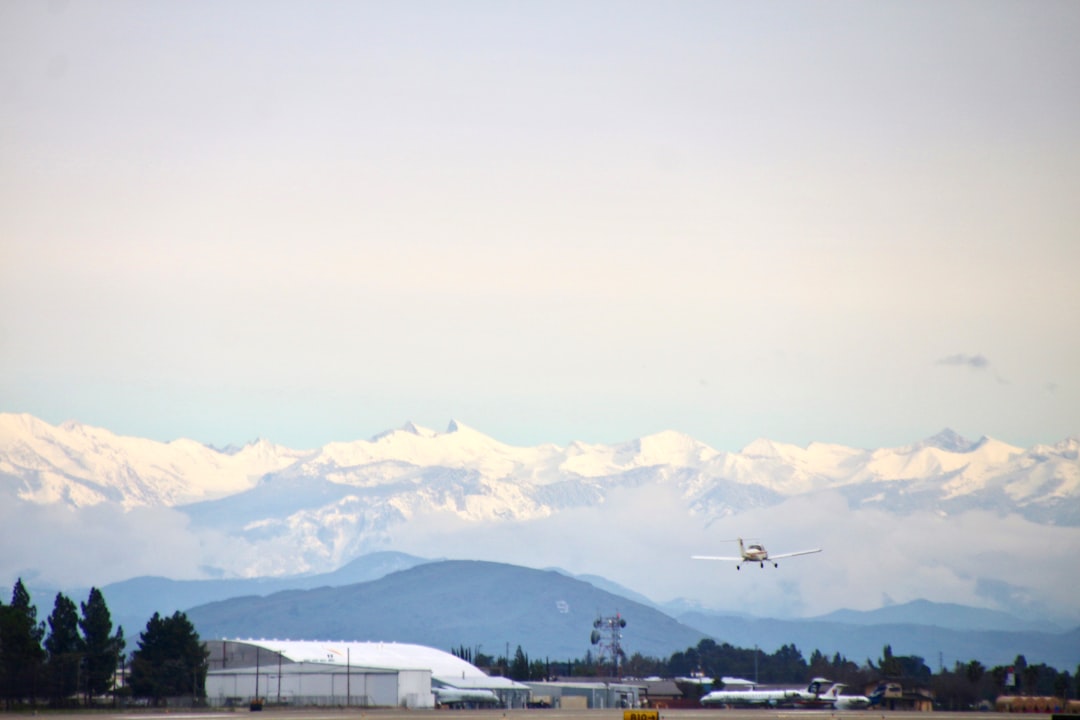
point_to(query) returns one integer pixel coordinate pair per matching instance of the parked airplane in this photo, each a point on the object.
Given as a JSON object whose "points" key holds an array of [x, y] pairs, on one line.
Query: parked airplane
{"points": [[755, 552], [819, 697], [470, 697], [847, 702], [783, 696]]}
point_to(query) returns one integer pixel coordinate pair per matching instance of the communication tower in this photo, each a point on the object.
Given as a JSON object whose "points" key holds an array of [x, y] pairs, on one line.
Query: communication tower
{"points": [[607, 636]]}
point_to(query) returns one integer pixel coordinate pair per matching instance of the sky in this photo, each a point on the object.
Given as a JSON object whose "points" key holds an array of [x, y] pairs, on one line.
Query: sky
{"points": [[850, 222]]}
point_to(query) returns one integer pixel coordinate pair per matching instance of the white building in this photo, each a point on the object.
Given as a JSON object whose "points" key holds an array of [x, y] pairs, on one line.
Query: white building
{"points": [[365, 674]]}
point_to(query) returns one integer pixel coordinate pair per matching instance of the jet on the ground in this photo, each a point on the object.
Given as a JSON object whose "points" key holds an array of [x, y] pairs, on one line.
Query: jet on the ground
{"points": [[817, 696], [755, 552], [784, 696], [457, 697], [847, 702]]}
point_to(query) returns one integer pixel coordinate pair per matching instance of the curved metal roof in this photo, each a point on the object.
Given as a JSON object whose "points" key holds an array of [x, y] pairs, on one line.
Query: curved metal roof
{"points": [[399, 656]]}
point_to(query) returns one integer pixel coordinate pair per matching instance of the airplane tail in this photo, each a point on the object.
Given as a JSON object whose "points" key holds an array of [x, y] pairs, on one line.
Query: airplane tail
{"points": [[742, 550]]}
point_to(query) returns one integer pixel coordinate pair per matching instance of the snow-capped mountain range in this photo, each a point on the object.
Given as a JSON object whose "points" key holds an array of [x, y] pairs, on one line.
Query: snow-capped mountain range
{"points": [[79, 465], [263, 509]]}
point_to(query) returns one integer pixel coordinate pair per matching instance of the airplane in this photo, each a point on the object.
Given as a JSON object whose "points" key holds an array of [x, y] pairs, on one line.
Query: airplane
{"points": [[831, 698], [788, 696], [847, 702], [754, 552], [457, 697]]}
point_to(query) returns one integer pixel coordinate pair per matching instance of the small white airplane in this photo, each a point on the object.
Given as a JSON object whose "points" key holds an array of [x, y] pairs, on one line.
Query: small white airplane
{"points": [[755, 552]]}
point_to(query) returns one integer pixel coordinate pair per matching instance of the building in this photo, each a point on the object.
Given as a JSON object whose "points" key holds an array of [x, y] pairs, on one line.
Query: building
{"points": [[364, 674], [586, 694]]}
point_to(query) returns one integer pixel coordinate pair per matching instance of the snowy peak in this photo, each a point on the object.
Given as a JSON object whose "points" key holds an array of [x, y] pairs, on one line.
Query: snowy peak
{"points": [[460, 447], [409, 428], [949, 440], [82, 465]]}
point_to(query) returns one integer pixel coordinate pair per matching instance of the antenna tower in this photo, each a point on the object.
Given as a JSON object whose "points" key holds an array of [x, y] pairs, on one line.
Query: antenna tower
{"points": [[607, 636]]}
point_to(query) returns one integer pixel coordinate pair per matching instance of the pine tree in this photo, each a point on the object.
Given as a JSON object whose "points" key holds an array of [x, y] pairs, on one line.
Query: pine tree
{"points": [[102, 647], [21, 654], [65, 648], [171, 660], [519, 669]]}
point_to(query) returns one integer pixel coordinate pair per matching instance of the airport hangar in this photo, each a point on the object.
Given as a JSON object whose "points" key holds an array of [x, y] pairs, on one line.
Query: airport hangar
{"points": [[363, 674]]}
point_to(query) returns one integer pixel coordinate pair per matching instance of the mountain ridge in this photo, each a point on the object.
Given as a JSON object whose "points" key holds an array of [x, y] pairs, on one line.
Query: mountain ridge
{"points": [[915, 515], [548, 613]]}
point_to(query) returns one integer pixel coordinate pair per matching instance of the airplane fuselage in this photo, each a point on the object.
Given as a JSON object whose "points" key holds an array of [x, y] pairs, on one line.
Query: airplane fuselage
{"points": [[790, 697], [750, 697]]}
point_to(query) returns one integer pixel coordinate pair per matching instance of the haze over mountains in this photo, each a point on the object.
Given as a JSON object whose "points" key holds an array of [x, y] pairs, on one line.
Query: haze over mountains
{"points": [[978, 523], [393, 597]]}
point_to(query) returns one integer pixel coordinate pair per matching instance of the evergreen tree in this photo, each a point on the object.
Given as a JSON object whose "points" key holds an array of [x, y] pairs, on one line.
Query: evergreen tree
{"points": [[519, 668], [65, 648], [171, 661], [21, 654], [102, 647]]}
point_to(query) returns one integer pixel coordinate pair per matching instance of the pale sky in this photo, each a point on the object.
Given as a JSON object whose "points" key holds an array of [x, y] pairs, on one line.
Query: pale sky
{"points": [[850, 222]]}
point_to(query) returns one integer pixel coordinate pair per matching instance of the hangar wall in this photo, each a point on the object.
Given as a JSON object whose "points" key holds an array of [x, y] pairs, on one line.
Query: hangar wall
{"points": [[320, 684]]}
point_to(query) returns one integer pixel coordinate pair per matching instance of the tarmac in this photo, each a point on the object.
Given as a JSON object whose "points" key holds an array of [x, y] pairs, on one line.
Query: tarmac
{"points": [[499, 714]]}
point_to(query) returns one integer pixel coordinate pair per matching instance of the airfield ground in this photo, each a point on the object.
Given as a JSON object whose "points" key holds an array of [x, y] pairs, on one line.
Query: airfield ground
{"points": [[355, 714]]}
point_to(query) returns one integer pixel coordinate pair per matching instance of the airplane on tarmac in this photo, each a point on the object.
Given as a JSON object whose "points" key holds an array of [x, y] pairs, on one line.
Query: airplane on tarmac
{"points": [[469, 697], [847, 702], [754, 552], [831, 698], [785, 696]]}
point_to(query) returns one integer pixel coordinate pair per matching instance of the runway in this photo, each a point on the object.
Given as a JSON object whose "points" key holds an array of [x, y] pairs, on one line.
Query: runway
{"points": [[535, 714]]}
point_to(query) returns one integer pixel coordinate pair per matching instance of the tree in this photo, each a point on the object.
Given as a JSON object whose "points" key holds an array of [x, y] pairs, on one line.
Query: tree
{"points": [[102, 647], [65, 648], [519, 668], [21, 654], [171, 660]]}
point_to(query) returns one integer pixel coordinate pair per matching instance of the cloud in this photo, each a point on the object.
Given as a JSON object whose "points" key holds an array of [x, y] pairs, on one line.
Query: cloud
{"points": [[64, 547], [975, 362], [643, 539]]}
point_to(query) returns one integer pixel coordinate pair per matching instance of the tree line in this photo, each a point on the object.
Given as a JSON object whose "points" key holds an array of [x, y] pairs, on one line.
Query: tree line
{"points": [[75, 658], [962, 687]]}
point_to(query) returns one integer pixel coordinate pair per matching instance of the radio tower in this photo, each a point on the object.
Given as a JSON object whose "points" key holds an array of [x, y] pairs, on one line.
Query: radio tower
{"points": [[607, 636]]}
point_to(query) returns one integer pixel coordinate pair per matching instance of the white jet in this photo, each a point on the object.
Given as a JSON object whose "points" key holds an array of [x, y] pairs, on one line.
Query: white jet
{"points": [[846, 702], [772, 698], [831, 698], [755, 552]]}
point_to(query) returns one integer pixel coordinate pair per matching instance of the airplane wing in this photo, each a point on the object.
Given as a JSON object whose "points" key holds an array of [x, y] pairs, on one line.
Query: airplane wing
{"points": [[715, 557], [793, 554]]}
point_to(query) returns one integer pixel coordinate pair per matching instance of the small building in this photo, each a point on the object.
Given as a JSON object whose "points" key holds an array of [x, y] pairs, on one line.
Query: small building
{"points": [[586, 694], [363, 674], [893, 696], [659, 693]]}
